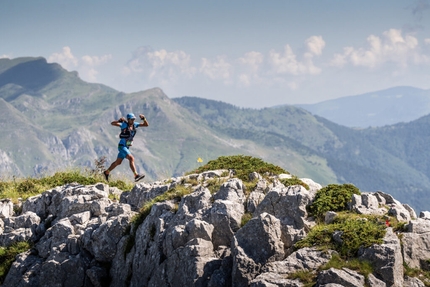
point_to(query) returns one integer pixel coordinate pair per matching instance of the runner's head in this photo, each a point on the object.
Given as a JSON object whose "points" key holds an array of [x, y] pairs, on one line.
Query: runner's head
{"points": [[130, 117]]}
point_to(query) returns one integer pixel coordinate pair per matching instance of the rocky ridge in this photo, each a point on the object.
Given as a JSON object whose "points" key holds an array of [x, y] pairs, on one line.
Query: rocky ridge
{"points": [[81, 237]]}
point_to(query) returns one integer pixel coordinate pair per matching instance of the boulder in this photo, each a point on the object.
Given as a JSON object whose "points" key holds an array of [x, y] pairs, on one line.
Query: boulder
{"points": [[302, 259], [254, 245], [6, 208], [366, 203], [274, 280], [416, 244], [344, 277], [386, 259], [413, 282]]}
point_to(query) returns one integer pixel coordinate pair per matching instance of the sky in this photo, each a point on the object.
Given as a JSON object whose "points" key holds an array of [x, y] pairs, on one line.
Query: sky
{"points": [[244, 52]]}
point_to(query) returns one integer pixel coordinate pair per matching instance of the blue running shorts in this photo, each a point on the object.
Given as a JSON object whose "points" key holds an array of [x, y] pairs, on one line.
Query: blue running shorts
{"points": [[123, 151]]}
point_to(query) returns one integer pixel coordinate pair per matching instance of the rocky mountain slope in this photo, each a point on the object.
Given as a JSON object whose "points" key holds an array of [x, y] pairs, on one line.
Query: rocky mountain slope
{"points": [[65, 122], [53, 120], [207, 229]]}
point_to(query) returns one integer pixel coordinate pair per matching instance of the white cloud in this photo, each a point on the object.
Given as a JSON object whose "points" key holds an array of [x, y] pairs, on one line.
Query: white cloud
{"points": [[391, 47], [250, 65], [160, 66], [65, 59], [218, 69], [5, 56], [287, 63], [252, 60], [93, 61], [85, 65], [315, 45]]}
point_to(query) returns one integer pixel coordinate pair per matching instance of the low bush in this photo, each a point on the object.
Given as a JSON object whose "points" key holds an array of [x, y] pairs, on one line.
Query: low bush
{"points": [[333, 197], [354, 231], [242, 165]]}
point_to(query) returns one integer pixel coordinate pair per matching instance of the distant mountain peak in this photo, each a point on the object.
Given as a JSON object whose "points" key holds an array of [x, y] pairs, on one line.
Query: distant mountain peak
{"points": [[379, 108]]}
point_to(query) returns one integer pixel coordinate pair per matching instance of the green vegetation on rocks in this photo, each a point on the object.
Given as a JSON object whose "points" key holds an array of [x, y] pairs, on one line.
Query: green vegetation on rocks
{"points": [[333, 197], [294, 181], [7, 257], [346, 234], [242, 165], [26, 187]]}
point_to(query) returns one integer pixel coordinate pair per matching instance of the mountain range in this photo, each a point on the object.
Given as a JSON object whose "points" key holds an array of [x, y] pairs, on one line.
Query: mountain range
{"points": [[375, 109], [52, 120]]}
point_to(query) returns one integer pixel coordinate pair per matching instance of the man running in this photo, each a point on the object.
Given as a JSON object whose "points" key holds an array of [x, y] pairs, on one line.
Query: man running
{"points": [[128, 131]]}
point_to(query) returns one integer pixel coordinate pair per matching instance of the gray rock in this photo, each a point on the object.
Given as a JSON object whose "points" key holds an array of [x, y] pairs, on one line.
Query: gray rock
{"points": [[274, 280], [104, 239], [416, 243], [25, 271], [386, 259], [254, 245], [344, 277], [329, 217], [231, 190], [419, 226], [254, 199], [411, 211], [313, 186], [254, 176], [413, 282], [372, 281], [400, 213], [288, 205], [38, 204], [98, 207], [98, 276], [302, 259], [425, 215], [366, 203], [6, 208]]}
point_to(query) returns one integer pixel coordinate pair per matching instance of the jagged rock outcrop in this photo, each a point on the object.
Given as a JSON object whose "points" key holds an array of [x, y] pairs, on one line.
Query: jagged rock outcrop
{"points": [[82, 238]]}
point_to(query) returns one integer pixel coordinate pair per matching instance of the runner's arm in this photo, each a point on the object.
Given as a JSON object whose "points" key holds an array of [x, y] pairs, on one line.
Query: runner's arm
{"points": [[117, 123], [144, 123]]}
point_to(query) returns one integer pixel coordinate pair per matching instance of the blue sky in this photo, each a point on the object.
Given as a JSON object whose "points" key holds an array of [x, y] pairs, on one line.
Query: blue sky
{"points": [[247, 53]]}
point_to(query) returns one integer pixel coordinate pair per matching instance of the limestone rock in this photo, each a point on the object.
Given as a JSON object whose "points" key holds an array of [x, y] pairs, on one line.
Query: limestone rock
{"points": [[344, 277], [387, 259]]}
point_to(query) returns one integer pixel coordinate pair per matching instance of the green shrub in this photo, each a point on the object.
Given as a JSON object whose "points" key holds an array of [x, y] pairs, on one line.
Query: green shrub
{"points": [[7, 257], [333, 197], [294, 181], [243, 166], [356, 232]]}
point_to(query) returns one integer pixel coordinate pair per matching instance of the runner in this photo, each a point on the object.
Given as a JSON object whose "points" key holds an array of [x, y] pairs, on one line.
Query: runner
{"points": [[128, 131]]}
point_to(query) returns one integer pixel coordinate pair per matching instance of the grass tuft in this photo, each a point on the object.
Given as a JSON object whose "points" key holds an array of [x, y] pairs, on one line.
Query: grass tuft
{"points": [[27, 187]]}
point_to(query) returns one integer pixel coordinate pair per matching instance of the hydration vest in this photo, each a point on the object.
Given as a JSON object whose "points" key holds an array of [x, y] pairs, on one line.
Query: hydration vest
{"points": [[127, 133]]}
